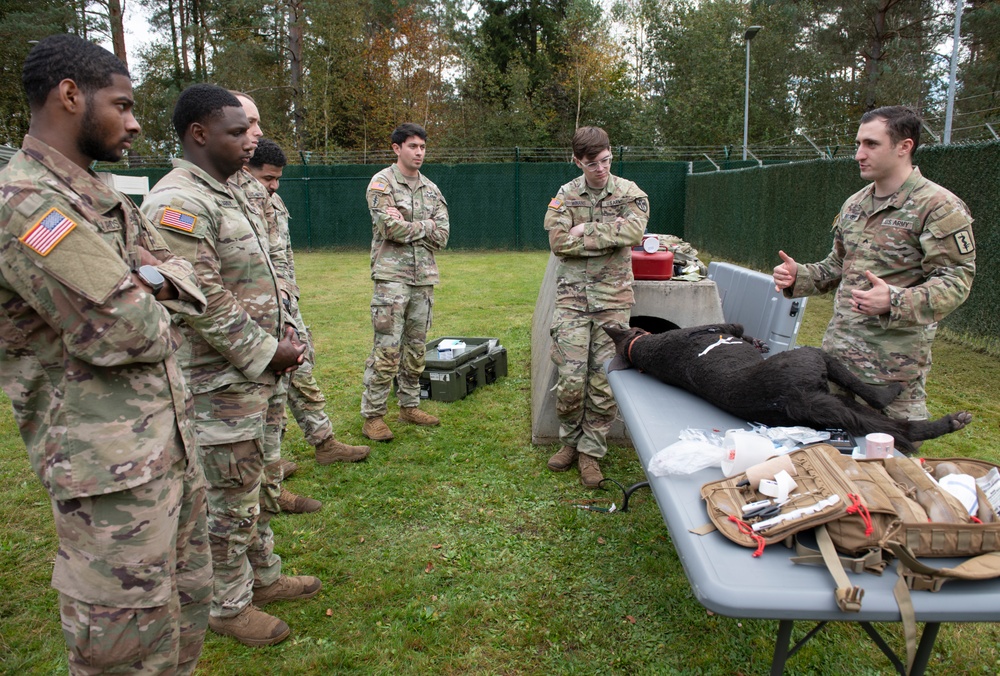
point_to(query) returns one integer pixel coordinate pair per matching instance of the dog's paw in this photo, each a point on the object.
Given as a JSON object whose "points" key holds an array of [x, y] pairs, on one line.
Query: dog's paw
{"points": [[960, 420]]}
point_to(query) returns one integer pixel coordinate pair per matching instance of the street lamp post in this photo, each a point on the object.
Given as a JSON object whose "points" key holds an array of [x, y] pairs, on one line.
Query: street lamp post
{"points": [[747, 37]]}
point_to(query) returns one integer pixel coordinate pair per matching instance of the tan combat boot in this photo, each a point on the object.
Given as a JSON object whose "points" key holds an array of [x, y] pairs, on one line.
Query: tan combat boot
{"points": [[286, 468], [590, 471], [297, 504], [563, 459], [330, 450], [287, 587], [376, 429], [251, 627], [417, 417]]}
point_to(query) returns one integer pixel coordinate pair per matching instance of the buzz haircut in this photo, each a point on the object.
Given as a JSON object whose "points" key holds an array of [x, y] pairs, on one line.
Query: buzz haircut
{"points": [[589, 142], [67, 57], [268, 152], [199, 103], [902, 122], [407, 130]]}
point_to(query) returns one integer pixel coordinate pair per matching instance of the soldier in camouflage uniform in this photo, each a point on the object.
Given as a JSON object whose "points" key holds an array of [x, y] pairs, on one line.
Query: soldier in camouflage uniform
{"points": [[304, 396], [903, 258], [233, 354], [275, 497], [87, 288], [409, 223], [592, 222]]}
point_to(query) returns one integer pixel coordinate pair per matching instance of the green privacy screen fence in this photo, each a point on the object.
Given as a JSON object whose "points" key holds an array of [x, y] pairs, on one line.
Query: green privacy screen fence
{"points": [[491, 206], [748, 215]]}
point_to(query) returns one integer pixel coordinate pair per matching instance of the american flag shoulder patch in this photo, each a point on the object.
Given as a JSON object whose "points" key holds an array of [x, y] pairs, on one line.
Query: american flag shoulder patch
{"points": [[378, 185], [556, 203], [177, 219], [50, 229]]}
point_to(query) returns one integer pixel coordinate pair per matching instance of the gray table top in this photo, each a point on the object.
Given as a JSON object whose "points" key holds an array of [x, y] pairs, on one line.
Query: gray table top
{"points": [[724, 576]]}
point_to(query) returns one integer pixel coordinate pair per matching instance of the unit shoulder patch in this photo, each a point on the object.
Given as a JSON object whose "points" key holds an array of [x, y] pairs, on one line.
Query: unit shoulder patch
{"points": [[48, 231], [964, 242]]}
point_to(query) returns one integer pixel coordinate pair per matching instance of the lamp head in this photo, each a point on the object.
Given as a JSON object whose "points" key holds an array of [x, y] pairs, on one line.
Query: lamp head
{"points": [[752, 31]]}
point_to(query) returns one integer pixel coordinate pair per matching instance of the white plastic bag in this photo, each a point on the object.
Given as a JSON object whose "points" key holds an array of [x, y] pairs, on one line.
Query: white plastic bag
{"points": [[686, 457]]}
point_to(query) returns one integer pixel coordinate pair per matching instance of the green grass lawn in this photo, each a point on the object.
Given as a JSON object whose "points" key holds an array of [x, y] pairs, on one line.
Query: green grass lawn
{"points": [[454, 550]]}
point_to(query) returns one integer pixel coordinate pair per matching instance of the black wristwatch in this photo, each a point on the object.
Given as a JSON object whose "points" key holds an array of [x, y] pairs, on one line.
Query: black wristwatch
{"points": [[152, 277]]}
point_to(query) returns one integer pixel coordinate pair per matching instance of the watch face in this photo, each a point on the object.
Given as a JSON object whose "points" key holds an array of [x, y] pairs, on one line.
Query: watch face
{"points": [[151, 276]]}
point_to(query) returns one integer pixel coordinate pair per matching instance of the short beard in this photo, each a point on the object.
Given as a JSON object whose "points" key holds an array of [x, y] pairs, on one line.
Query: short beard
{"points": [[90, 143]]}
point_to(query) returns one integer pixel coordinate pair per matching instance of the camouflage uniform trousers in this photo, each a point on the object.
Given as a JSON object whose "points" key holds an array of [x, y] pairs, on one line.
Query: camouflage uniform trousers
{"points": [[271, 478], [584, 402], [401, 317], [230, 423], [911, 404], [160, 524], [305, 398]]}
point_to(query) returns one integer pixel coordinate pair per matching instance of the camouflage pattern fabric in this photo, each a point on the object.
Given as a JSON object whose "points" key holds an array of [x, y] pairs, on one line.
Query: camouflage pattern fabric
{"points": [[227, 352], [236, 337], [167, 517], [585, 404], [405, 272], [595, 271], [305, 398], [593, 287], [279, 243], [921, 243], [274, 424], [84, 354], [401, 317], [403, 251]]}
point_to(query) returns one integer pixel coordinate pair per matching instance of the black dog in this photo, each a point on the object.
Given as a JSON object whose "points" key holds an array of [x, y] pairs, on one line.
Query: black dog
{"points": [[721, 365]]}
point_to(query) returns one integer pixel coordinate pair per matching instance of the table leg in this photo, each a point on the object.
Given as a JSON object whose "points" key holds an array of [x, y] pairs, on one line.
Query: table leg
{"points": [[925, 648], [781, 642]]}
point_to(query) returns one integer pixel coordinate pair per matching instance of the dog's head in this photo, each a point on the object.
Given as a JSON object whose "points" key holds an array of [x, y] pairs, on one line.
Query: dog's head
{"points": [[622, 337]]}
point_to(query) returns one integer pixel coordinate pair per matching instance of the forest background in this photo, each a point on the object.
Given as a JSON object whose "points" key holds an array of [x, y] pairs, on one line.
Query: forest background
{"points": [[334, 77]]}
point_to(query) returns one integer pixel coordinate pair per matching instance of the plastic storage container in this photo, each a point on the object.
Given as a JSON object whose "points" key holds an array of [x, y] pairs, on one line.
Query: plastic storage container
{"points": [[658, 266]]}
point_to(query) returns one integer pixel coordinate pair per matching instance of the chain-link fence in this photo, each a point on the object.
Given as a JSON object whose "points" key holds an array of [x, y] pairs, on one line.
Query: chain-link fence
{"points": [[748, 215]]}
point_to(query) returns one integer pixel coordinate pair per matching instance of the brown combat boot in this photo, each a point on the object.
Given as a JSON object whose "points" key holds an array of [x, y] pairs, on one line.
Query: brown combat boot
{"points": [[297, 504], [330, 450], [417, 417], [286, 467], [563, 459], [251, 627], [376, 429], [590, 471], [287, 587]]}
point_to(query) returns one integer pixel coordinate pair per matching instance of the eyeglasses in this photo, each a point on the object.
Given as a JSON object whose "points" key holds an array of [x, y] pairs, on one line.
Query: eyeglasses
{"points": [[603, 162]]}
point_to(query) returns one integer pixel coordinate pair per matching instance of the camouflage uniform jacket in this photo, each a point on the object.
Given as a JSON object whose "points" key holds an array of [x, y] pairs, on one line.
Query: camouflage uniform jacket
{"points": [[920, 242], [214, 226], [85, 353], [595, 271], [280, 245], [403, 251], [281, 218]]}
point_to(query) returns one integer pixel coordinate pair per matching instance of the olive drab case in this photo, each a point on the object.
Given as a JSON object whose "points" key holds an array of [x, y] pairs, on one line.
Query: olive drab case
{"points": [[865, 513]]}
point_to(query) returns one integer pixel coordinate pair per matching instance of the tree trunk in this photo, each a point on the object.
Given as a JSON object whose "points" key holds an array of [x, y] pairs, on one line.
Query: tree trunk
{"points": [[295, 19], [117, 29], [873, 60]]}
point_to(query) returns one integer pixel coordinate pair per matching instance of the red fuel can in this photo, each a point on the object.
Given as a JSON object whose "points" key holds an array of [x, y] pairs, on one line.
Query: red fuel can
{"points": [[655, 266]]}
